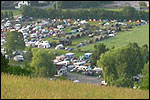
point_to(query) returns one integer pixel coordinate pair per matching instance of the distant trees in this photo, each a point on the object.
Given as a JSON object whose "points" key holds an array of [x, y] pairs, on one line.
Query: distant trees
{"points": [[14, 41], [42, 62], [83, 4], [120, 65], [125, 13], [7, 14], [129, 12]]}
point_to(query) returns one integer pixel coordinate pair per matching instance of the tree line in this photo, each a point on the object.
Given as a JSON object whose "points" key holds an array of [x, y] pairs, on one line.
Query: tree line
{"points": [[82, 4], [121, 64], [7, 14], [94, 13]]}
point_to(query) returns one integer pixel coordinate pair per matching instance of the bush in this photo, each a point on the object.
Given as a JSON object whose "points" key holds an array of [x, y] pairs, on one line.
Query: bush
{"points": [[17, 70]]}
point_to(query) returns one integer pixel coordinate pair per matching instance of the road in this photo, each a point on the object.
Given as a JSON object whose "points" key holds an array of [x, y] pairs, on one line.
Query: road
{"points": [[84, 78]]}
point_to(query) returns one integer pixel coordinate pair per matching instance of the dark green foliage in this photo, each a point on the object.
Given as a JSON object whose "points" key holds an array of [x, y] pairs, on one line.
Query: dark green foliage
{"points": [[145, 78], [83, 4], [145, 53], [99, 49], [129, 12], [125, 13], [4, 63], [17, 70], [119, 65]]}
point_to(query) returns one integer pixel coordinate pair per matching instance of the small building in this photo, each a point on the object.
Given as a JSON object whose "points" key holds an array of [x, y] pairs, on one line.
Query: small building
{"points": [[60, 70]]}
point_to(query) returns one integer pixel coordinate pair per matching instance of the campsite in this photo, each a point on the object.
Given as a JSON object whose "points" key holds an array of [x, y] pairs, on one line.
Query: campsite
{"points": [[52, 34], [82, 49]]}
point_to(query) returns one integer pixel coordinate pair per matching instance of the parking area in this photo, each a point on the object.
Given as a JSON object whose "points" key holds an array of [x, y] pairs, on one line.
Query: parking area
{"points": [[84, 78]]}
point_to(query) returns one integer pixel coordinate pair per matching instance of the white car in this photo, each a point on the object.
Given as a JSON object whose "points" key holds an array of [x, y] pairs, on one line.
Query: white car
{"points": [[18, 58], [25, 34], [111, 35], [76, 81], [34, 35], [103, 83]]}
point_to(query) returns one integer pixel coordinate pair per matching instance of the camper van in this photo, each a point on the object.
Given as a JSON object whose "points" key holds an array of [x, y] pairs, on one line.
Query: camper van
{"points": [[65, 63]]}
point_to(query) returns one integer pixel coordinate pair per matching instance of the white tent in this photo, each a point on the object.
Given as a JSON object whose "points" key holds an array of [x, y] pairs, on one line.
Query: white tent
{"points": [[58, 47]]}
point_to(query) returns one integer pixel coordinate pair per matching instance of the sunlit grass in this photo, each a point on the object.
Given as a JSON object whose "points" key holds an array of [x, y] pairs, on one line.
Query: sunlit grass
{"points": [[20, 87], [139, 35]]}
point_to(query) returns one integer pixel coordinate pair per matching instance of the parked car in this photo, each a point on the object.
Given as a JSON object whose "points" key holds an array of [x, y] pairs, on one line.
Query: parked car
{"points": [[76, 81], [73, 70], [19, 58]]}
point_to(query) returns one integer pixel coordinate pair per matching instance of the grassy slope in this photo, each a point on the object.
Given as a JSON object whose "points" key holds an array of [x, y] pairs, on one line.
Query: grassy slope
{"points": [[24, 87], [139, 34]]}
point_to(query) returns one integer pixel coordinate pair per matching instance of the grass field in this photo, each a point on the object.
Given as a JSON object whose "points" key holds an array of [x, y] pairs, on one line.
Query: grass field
{"points": [[139, 34], [15, 12], [20, 87]]}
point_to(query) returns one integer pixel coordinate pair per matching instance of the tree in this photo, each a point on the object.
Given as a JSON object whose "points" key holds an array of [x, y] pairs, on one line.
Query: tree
{"points": [[145, 78], [6, 14], [42, 62], [17, 70], [14, 41], [120, 65], [145, 53], [99, 49], [4, 63]]}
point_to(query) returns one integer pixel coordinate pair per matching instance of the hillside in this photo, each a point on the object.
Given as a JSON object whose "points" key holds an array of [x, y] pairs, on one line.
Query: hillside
{"points": [[17, 87], [139, 35]]}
